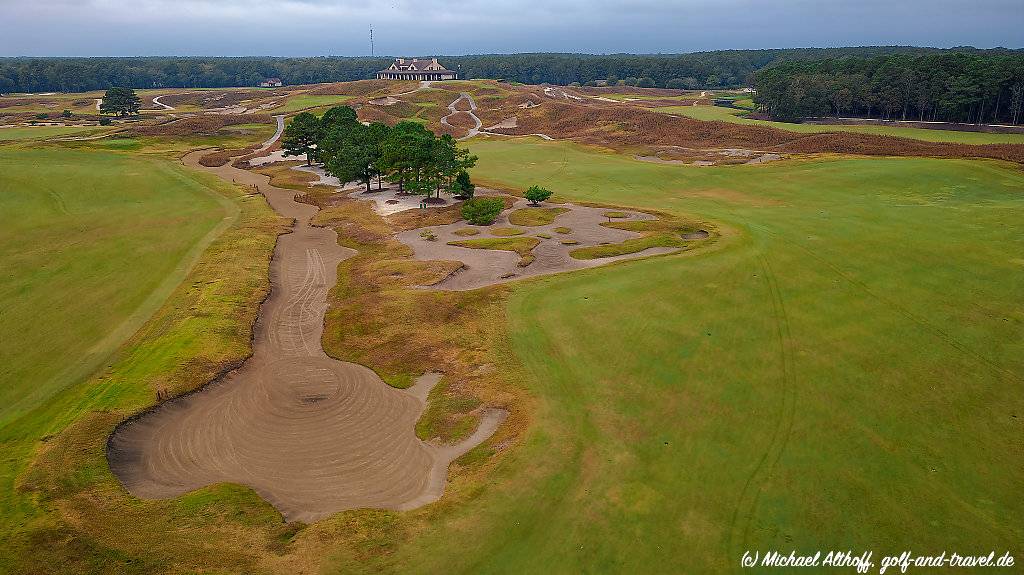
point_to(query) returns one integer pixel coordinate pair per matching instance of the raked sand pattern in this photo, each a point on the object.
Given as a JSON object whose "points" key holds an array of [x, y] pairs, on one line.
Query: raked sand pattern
{"points": [[310, 434]]}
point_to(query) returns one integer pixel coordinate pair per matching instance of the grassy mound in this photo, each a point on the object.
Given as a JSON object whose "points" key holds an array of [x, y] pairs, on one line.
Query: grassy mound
{"points": [[520, 245], [506, 232], [630, 246], [535, 216]]}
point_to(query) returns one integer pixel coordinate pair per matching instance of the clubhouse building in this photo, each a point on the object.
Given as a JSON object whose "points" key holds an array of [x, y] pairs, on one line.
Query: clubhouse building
{"points": [[416, 69]]}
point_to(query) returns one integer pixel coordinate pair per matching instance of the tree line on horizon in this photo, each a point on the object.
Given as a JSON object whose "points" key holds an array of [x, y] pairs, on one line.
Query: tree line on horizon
{"points": [[698, 70], [976, 88]]}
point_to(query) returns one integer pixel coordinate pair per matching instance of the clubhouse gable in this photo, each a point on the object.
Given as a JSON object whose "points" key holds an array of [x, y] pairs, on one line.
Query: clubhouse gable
{"points": [[416, 69]]}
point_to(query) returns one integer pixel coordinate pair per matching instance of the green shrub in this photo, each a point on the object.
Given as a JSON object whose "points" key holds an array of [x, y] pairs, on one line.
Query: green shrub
{"points": [[537, 194], [104, 121], [482, 211]]}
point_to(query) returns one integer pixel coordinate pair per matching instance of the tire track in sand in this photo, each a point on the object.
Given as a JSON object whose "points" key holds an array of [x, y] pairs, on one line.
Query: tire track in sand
{"points": [[310, 434]]}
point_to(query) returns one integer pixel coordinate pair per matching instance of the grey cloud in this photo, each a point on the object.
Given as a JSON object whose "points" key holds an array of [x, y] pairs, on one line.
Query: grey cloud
{"points": [[339, 27]]}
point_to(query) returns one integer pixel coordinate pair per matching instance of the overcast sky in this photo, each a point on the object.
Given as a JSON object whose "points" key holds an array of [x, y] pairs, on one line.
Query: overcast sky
{"points": [[424, 27]]}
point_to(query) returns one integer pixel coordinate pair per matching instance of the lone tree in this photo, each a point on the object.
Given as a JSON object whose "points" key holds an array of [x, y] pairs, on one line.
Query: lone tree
{"points": [[537, 194], [120, 101], [301, 136]]}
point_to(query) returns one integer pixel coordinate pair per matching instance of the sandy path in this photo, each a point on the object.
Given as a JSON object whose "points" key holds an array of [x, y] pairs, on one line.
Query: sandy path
{"points": [[277, 134], [452, 110], [157, 102], [310, 434]]}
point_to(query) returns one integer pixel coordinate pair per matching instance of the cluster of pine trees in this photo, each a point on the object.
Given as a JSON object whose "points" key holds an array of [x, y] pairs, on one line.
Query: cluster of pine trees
{"points": [[407, 153], [698, 70], [947, 87]]}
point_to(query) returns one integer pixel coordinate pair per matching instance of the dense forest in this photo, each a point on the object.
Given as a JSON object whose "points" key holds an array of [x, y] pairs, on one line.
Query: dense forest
{"points": [[946, 87], [726, 68]]}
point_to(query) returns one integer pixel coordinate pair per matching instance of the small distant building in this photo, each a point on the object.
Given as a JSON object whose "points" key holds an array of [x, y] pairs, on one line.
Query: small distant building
{"points": [[271, 83], [416, 69]]}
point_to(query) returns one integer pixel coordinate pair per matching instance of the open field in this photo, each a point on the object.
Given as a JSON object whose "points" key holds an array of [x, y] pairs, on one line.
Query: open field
{"points": [[55, 450], [87, 263], [734, 116], [43, 132], [815, 382], [230, 137], [305, 101]]}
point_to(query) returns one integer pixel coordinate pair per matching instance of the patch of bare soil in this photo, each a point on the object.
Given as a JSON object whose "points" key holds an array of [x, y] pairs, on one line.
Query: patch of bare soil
{"points": [[507, 123], [679, 155], [484, 267], [312, 435], [388, 101]]}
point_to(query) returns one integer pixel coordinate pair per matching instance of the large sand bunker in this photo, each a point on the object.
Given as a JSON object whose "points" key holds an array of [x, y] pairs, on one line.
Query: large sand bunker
{"points": [[312, 435]]}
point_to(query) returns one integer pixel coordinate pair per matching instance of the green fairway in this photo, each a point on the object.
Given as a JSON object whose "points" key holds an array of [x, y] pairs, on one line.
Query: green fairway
{"points": [[94, 253], [42, 132], [842, 371], [306, 101], [734, 116], [91, 245]]}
